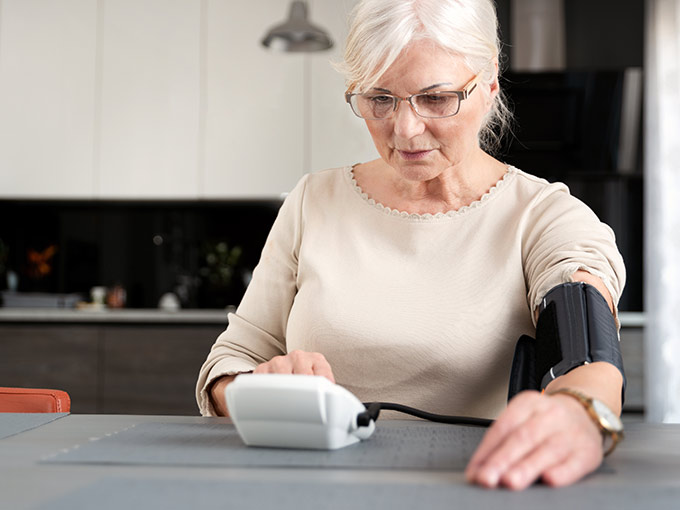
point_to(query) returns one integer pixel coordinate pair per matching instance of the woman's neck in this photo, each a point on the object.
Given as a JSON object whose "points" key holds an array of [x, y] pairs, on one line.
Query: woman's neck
{"points": [[454, 188]]}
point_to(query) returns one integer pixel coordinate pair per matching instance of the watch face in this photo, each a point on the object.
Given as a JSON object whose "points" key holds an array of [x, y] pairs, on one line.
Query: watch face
{"points": [[608, 419]]}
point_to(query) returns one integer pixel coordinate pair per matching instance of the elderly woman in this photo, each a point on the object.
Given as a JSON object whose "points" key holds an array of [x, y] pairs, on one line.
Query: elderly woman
{"points": [[409, 278]]}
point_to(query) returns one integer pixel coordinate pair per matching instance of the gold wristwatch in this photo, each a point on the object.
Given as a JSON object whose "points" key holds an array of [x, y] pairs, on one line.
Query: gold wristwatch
{"points": [[607, 421]]}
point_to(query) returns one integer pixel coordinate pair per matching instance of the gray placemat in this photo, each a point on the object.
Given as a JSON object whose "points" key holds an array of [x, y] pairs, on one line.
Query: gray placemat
{"points": [[170, 494], [15, 423], [394, 445]]}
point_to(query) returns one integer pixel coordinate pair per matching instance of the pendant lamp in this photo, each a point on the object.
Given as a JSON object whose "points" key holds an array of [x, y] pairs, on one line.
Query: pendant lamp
{"points": [[297, 34]]}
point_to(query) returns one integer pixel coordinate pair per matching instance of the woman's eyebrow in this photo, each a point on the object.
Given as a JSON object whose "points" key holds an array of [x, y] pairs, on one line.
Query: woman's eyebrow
{"points": [[436, 85]]}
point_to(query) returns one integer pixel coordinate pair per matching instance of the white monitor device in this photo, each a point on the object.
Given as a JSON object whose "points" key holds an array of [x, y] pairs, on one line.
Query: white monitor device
{"points": [[295, 411]]}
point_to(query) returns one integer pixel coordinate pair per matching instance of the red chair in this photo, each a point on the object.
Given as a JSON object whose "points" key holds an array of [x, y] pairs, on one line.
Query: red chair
{"points": [[33, 400]]}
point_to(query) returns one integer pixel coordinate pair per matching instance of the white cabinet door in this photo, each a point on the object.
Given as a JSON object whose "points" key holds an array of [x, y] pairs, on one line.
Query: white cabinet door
{"points": [[150, 95], [47, 98], [253, 104], [337, 137]]}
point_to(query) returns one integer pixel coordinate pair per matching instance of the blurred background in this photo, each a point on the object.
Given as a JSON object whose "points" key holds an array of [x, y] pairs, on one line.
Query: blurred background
{"points": [[137, 138], [146, 146]]}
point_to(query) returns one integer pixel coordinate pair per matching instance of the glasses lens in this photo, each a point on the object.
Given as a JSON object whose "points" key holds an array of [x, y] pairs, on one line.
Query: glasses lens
{"points": [[436, 105], [373, 106]]}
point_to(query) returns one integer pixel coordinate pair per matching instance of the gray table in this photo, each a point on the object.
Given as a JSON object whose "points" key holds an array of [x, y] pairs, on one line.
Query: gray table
{"points": [[100, 461]]}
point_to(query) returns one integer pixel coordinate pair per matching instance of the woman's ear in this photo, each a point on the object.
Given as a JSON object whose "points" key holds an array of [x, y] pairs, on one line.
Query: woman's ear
{"points": [[494, 88]]}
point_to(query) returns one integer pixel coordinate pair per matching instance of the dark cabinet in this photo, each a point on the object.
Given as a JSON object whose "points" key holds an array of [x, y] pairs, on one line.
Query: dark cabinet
{"points": [[153, 369], [64, 357], [131, 369]]}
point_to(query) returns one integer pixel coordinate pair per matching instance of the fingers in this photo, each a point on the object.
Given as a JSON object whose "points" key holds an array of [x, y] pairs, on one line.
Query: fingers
{"points": [[529, 468], [538, 436], [297, 362], [572, 469], [508, 457], [518, 411], [321, 367]]}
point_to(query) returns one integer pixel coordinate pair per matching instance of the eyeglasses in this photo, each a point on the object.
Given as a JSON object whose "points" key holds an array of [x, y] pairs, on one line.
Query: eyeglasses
{"points": [[430, 105]]}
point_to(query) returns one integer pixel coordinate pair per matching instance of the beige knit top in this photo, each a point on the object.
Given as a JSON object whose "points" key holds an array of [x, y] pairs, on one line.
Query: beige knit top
{"points": [[421, 310]]}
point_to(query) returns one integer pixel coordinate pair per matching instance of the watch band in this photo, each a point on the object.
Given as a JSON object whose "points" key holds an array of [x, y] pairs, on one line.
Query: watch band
{"points": [[610, 426]]}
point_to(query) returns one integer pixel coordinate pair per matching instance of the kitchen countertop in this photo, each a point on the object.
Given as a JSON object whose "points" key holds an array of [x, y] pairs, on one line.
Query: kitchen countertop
{"points": [[130, 315]]}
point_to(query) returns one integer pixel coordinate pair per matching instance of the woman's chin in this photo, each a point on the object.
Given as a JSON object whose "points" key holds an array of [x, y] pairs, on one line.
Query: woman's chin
{"points": [[417, 171]]}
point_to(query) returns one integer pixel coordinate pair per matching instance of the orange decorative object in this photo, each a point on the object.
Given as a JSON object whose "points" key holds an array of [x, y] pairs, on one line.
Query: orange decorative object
{"points": [[116, 296], [39, 262], [33, 400]]}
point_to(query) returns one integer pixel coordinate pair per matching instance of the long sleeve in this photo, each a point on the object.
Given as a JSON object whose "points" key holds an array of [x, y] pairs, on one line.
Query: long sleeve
{"points": [[563, 236], [257, 331]]}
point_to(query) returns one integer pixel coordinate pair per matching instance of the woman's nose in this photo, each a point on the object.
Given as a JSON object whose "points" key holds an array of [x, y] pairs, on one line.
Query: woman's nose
{"points": [[407, 123]]}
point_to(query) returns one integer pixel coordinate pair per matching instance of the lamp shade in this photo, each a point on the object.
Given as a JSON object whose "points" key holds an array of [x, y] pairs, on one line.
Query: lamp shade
{"points": [[297, 34]]}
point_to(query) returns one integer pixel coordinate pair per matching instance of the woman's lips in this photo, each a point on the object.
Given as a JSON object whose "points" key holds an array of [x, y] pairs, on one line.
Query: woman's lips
{"points": [[413, 155]]}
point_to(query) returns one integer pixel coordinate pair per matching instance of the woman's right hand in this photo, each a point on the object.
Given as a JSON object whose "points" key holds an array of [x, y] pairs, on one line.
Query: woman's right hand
{"points": [[217, 391], [296, 362]]}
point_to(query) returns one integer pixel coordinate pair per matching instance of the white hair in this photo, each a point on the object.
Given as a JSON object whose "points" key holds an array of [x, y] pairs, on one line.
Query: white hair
{"points": [[381, 29]]}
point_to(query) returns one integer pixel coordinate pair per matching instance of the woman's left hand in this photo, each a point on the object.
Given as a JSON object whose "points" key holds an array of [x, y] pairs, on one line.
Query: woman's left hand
{"points": [[538, 436]]}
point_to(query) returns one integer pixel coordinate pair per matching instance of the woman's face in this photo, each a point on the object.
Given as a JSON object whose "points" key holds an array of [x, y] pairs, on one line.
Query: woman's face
{"points": [[418, 148]]}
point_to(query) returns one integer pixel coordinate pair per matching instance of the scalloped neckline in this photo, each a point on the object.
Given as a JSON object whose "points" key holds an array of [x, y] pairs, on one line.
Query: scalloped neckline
{"points": [[430, 216]]}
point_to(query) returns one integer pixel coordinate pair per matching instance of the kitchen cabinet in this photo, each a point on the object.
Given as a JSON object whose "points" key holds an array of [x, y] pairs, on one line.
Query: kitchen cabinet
{"points": [[135, 364], [110, 368], [64, 357], [99, 99], [152, 369], [148, 124], [270, 117], [47, 98], [336, 136], [136, 99], [150, 99], [193, 106], [253, 104], [632, 351]]}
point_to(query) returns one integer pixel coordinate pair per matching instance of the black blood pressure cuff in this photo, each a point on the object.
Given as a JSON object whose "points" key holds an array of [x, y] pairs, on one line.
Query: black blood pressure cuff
{"points": [[575, 327]]}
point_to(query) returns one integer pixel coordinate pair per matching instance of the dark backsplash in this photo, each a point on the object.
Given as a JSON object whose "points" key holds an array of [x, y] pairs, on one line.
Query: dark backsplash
{"points": [[202, 251]]}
